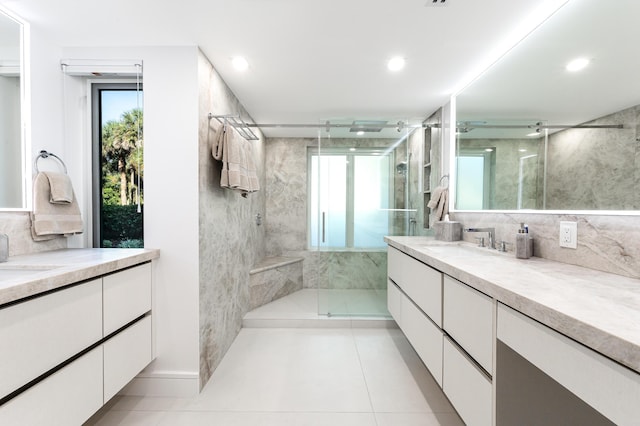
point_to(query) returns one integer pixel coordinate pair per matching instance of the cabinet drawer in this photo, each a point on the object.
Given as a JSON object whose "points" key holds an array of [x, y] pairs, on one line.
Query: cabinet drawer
{"points": [[608, 387], [468, 319], [127, 295], [425, 337], [41, 333], [68, 397], [466, 386], [125, 355], [394, 302], [420, 282]]}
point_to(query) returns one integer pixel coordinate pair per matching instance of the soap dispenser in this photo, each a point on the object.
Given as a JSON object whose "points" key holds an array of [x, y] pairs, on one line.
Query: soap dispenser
{"points": [[524, 243]]}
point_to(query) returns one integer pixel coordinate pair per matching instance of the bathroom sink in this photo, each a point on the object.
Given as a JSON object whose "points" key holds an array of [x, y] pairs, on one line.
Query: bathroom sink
{"points": [[459, 249]]}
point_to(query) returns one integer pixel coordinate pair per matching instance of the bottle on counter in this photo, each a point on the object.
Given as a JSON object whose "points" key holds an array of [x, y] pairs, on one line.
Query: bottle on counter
{"points": [[524, 243]]}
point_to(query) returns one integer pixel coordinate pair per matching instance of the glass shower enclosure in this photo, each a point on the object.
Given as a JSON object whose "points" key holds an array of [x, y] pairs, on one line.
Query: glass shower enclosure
{"points": [[358, 187]]}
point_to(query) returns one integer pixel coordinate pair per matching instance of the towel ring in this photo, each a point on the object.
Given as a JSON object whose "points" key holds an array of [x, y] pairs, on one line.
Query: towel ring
{"points": [[442, 178], [45, 154]]}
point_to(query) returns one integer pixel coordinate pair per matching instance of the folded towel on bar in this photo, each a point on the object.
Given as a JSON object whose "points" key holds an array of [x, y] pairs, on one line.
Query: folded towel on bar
{"points": [[61, 188], [238, 168], [439, 202], [49, 220]]}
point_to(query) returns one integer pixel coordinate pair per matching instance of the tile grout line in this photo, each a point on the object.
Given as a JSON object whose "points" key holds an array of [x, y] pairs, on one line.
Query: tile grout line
{"points": [[364, 377]]}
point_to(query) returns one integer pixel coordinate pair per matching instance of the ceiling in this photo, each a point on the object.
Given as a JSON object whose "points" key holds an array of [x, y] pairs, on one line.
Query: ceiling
{"points": [[531, 84], [309, 62]]}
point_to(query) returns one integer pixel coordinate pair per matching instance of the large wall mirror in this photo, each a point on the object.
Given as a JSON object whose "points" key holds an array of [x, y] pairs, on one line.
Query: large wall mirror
{"points": [[13, 163], [532, 134]]}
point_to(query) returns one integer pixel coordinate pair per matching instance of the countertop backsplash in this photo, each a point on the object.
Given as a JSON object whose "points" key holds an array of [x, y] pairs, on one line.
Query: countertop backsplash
{"points": [[605, 243], [17, 225]]}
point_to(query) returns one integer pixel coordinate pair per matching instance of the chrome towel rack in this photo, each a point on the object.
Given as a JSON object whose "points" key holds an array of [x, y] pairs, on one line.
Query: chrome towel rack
{"points": [[45, 154], [238, 124]]}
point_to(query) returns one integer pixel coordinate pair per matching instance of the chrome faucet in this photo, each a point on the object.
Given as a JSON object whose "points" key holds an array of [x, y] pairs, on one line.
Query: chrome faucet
{"points": [[490, 231]]}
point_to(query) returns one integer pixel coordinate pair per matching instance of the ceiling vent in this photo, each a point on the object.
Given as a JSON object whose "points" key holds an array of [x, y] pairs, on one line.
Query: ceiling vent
{"points": [[368, 126]]}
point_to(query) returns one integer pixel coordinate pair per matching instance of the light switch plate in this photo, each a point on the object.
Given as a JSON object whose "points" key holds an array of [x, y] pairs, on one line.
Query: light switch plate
{"points": [[569, 234]]}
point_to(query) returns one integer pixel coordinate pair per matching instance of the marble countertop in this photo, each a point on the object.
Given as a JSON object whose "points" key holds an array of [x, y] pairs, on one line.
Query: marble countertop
{"points": [[598, 309], [28, 275]]}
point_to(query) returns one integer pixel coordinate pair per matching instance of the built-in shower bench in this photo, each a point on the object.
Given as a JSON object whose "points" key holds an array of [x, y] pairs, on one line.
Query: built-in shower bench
{"points": [[274, 277]]}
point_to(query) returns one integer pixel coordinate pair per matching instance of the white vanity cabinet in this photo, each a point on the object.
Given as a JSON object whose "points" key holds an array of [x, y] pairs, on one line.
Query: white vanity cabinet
{"points": [[43, 332], [468, 351], [414, 299], [450, 326], [606, 386], [67, 352], [421, 283], [549, 344], [468, 319]]}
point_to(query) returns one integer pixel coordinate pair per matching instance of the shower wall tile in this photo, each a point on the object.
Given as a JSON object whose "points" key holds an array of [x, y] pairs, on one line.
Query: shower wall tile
{"points": [[231, 241], [594, 169], [17, 225], [286, 218], [286, 181], [269, 285], [605, 243], [508, 154]]}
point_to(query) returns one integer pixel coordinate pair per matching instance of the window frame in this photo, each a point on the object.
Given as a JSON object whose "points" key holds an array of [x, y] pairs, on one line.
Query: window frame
{"points": [[96, 149], [350, 194]]}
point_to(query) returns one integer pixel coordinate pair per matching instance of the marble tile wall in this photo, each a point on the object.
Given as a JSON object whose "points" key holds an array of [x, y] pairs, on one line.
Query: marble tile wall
{"points": [[17, 225], [593, 169], [506, 175], [286, 219], [271, 284], [605, 243], [231, 241]]}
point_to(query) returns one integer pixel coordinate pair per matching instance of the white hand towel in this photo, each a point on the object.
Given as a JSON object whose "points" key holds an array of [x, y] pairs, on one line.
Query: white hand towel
{"points": [[439, 202], [49, 220], [238, 168], [61, 188]]}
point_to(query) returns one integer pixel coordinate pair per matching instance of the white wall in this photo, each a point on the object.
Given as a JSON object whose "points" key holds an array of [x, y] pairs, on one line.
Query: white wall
{"points": [[171, 185]]}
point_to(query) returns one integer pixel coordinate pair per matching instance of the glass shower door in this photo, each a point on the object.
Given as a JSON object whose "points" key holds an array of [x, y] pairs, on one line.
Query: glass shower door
{"points": [[353, 184]]}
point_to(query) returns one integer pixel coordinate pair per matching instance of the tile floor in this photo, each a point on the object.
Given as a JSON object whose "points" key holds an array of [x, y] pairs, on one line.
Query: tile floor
{"points": [[300, 309], [333, 375]]}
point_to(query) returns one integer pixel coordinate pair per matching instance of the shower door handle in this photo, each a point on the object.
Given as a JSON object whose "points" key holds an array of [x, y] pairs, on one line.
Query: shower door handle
{"points": [[323, 227]]}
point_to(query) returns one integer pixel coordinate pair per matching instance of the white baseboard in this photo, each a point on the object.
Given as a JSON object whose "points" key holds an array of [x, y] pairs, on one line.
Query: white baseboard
{"points": [[174, 385]]}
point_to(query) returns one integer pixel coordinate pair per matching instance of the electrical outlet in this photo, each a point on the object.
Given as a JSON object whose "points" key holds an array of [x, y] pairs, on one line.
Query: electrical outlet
{"points": [[569, 234]]}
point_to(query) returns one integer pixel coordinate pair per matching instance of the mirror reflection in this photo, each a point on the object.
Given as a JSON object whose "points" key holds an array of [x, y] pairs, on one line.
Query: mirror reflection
{"points": [[533, 134], [12, 190]]}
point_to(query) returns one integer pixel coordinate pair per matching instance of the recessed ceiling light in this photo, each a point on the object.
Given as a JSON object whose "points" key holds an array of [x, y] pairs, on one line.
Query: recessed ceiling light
{"points": [[360, 133], [396, 64], [240, 63], [352, 149], [522, 150], [577, 64], [489, 149], [534, 134]]}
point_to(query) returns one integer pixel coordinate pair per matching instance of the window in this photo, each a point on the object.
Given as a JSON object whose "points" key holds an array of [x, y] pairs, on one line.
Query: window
{"points": [[117, 165], [350, 198], [474, 178]]}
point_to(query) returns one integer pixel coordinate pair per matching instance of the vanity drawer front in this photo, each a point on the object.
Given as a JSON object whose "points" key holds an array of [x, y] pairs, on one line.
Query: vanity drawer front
{"points": [[420, 282], [425, 337], [43, 332], [394, 302], [605, 385], [466, 386], [468, 319], [68, 397], [125, 355], [127, 295]]}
